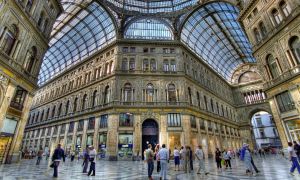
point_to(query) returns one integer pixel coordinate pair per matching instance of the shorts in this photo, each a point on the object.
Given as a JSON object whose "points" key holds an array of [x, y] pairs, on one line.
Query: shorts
{"points": [[176, 159]]}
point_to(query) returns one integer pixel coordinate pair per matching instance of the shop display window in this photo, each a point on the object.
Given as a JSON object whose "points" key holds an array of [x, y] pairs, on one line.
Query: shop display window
{"points": [[102, 145], [125, 146]]}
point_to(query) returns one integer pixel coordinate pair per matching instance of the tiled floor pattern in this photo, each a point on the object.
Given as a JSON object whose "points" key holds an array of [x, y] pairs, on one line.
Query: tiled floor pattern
{"points": [[271, 168]]}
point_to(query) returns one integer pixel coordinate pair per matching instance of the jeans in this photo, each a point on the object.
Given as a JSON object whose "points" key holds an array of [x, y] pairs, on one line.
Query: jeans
{"points": [[255, 168], [92, 168], [219, 165], [38, 160], [201, 166], [228, 163], [164, 167], [295, 165], [150, 168], [56, 164]]}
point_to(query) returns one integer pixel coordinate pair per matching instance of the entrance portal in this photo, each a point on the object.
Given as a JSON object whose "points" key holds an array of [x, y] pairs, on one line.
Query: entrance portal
{"points": [[149, 134]]}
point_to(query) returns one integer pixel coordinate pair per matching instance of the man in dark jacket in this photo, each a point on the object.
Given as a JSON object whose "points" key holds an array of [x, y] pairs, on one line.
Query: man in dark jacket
{"points": [[56, 158], [297, 149]]}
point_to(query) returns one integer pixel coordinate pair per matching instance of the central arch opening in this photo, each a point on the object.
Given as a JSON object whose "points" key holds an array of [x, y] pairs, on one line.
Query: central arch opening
{"points": [[149, 134]]}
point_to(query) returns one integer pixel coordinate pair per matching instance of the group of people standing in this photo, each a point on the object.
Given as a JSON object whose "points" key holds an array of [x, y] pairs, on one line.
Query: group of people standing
{"points": [[223, 157], [183, 157], [89, 157]]}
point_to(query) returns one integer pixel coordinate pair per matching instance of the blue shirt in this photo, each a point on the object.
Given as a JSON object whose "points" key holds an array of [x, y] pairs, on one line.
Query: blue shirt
{"points": [[163, 154]]}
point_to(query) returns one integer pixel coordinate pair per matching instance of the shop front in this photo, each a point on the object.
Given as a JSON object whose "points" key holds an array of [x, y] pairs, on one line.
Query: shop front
{"points": [[125, 146], [102, 145], [6, 136]]}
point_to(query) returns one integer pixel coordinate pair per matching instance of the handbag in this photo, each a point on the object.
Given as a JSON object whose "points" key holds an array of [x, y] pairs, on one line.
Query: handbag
{"points": [[52, 165]]}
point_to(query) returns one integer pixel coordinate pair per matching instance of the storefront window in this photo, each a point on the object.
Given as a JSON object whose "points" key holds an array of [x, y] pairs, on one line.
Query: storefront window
{"points": [[103, 121], [193, 122], [80, 125], [78, 142], [174, 120], [91, 124], [126, 119], [89, 139], [102, 145], [125, 146]]}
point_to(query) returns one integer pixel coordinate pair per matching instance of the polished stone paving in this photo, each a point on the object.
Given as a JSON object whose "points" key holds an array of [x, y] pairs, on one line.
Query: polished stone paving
{"points": [[271, 167]]}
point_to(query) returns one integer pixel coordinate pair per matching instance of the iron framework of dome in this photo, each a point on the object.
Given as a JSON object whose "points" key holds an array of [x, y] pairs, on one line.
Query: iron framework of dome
{"points": [[211, 31]]}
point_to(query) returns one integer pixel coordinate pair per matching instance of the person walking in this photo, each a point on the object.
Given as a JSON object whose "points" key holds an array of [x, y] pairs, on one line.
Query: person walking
{"points": [[58, 155], [39, 156], [163, 155], [149, 159], [86, 159], [92, 155], [157, 159], [191, 159], [72, 156], [187, 167], [225, 158], [199, 154], [297, 149], [218, 157], [293, 158], [246, 157], [182, 157], [176, 158], [47, 153], [228, 159]]}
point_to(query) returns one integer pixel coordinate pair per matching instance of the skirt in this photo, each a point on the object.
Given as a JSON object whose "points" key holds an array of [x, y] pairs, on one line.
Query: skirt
{"points": [[176, 160]]}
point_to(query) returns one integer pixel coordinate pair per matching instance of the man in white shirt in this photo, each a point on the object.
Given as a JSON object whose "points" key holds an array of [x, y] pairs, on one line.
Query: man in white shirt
{"points": [[200, 157], [92, 155], [163, 155], [176, 158], [293, 158]]}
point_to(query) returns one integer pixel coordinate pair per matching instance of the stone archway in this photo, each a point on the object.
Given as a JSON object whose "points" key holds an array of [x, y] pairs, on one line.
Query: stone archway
{"points": [[150, 134]]}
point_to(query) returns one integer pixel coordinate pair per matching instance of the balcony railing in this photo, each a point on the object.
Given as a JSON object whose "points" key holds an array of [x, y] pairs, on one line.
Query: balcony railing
{"points": [[283, 77], [123, 104]]}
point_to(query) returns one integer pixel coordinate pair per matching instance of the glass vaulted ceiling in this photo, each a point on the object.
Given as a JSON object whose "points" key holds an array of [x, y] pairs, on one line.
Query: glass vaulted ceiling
{"points": [[211, 31], [214, 33], [91, 30]]}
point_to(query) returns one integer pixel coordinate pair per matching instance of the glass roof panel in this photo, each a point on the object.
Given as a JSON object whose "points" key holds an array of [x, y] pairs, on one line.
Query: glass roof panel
{"points": [[151, 6], [214, 33], [90, 30], [150, 29]]}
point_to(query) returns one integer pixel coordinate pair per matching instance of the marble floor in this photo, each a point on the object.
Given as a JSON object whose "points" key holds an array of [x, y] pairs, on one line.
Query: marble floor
{"points": [[271, 168]]}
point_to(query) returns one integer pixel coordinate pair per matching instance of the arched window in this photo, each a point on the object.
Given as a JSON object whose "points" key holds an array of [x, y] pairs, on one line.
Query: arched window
{"points": [[132, 64], [31, 59], [59, 110], [29, 5], [286, 9], [46, 25], [171, 93], [41, 19], [295, 47], [190, 95], [273, 66], [149, 93], [276, 15], [257, 35], [153, 65], [94, 98], [263, 29], [67, 107], [47, 114], [9, 40], [146, 65], [125, 64], [106, 95], [53, 111], [127, 97], [75, 104], [84, 101]]}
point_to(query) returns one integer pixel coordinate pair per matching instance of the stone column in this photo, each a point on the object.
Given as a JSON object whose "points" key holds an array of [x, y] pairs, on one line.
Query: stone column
{"points": [[278, 122], [112, 137], [96, 132], [186, 125], [11, 88], [74, 135], [137, 135], [163, 136], [83, 142], [19, 132]]}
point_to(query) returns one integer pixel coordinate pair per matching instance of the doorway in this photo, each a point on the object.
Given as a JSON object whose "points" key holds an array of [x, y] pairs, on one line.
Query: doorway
{"points": [[149, 134]]}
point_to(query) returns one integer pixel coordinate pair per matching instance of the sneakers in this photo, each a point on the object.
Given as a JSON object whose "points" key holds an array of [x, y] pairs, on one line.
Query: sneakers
{"points": [[292, 174], [206, 173]]}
